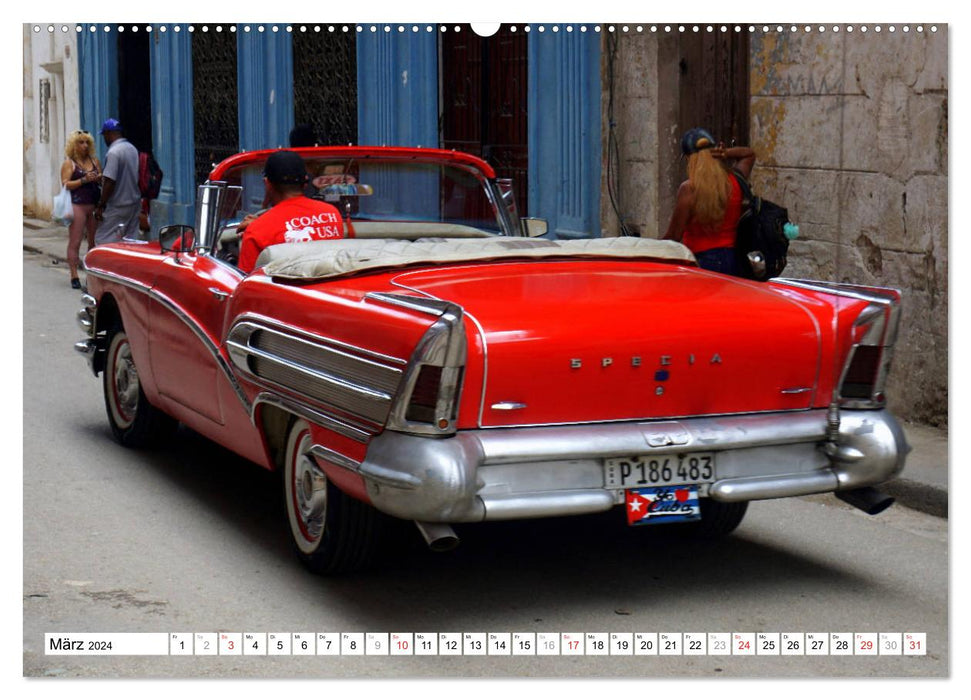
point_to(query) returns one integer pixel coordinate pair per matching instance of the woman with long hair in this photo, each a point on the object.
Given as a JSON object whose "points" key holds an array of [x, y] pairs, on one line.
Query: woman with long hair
{"points": [[709, 203], [81, 175]]}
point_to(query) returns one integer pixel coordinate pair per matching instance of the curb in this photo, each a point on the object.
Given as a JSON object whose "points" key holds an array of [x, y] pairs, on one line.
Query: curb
{"points": [[39, 251], [927, 499]]}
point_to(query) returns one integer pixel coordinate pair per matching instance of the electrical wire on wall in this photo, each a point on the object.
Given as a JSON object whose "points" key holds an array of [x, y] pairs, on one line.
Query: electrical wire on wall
{"points": [[613, 151]]}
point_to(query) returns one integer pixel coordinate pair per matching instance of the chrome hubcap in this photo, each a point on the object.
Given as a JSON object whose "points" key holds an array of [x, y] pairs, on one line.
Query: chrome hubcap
{"points": [[309, 492], [125, 384]]}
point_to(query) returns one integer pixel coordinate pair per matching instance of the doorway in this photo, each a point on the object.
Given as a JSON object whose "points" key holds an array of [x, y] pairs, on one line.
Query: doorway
{"points": [[484, 101], [135, 88]]}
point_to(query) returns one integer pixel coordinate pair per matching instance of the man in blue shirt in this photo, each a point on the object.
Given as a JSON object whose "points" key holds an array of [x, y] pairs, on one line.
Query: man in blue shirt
{"points": [[117, 211]]}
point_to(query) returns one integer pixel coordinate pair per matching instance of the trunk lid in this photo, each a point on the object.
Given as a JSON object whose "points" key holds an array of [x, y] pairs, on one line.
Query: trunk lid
{"points": [[582, 341]]}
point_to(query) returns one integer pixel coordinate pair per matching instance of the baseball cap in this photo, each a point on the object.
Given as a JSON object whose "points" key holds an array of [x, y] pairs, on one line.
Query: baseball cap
{"points": [[285, 168], [111, 124], [695, 140]]}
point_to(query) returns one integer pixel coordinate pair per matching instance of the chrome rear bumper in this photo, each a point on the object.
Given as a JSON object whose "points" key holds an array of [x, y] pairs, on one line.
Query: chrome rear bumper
{"points": [[502, 474]]}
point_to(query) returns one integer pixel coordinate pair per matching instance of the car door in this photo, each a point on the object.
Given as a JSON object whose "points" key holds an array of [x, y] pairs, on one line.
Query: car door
{"points": [[187, 324]]}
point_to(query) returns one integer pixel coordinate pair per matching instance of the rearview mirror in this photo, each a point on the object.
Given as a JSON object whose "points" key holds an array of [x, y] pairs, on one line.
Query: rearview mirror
{"points": [[333, 192], [179, 238]]}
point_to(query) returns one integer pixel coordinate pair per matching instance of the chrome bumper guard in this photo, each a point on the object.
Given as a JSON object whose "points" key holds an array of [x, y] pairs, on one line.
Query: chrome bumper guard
{"points": [[85, 319], [513, 473]]}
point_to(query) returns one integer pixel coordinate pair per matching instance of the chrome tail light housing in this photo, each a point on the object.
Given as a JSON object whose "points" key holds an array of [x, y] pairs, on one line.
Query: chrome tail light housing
{"points": [[872, 337], [428, 398], [864, 375]]}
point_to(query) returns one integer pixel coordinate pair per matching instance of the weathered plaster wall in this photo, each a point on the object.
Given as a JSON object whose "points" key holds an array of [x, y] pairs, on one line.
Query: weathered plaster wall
{"points": [[630, 66], [50, 56], [851, 135]]}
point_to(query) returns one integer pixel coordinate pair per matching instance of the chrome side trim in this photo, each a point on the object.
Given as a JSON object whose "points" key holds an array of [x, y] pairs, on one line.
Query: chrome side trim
{"points": [[852, 291], [337, 458], [425, 305], [172, 306], [351, 368], [311, 415], [485, 367], [313, 371], [275, 325]]}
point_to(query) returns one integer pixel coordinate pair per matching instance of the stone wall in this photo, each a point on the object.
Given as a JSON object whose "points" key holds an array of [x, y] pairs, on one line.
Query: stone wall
{"points": [[851, 135], [644, 110]]}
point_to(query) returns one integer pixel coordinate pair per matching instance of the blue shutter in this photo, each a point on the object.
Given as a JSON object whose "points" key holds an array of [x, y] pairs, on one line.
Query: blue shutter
{"points": [[564, 130], [98, 76], [173, 136], [397, 88], [265, 82]]}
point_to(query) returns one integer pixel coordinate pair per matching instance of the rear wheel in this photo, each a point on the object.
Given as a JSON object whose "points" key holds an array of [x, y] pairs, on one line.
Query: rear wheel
{"points": [[332, 532], [133, 420]]}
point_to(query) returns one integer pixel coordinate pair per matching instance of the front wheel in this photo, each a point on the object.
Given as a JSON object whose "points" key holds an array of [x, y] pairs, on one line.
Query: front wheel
{"points": [[332, 532], [134, 421]]}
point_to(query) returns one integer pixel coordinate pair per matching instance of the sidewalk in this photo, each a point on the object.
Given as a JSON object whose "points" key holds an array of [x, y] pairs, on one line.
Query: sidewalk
{"points": [[922, 486]]}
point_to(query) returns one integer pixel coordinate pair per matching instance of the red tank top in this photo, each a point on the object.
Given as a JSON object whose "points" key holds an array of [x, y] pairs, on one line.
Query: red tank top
{"points": [[700, 238]]}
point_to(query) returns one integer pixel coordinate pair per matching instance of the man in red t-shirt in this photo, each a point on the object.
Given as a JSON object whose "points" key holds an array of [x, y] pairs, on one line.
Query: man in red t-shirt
{"points": [[292, 217]]}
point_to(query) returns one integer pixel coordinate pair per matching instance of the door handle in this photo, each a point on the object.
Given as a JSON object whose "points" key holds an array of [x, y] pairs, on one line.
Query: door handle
{"points": [[219, 294]]}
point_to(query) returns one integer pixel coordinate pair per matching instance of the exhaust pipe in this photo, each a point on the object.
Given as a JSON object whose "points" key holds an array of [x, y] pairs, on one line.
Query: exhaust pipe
{"points": [[440, 537], [867, 499]]}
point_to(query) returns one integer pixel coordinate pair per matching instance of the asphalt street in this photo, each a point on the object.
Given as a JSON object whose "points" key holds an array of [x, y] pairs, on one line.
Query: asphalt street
{"points": [[190, 538]]}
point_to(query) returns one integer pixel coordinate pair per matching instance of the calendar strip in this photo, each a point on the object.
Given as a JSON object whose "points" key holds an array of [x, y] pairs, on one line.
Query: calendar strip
{"points": [[254, 644]]}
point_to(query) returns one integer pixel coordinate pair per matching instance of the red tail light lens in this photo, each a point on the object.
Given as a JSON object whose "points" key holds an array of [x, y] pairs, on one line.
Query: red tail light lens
{"points": [[862, 373], [424, 397]]}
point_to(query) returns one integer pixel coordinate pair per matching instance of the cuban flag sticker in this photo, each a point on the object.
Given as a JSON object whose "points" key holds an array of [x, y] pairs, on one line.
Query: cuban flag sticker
{"points": [[662, 504]]}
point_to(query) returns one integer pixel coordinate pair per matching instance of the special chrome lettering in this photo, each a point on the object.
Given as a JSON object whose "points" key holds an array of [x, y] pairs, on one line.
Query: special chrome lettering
{"points": [[638, 361]]}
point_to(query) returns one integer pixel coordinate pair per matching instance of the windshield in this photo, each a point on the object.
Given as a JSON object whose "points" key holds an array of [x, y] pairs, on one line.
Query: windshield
{"points": [[451, 197]]}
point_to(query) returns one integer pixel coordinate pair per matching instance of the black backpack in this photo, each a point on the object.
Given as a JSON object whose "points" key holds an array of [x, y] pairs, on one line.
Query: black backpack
{"points": [[761, 244]]}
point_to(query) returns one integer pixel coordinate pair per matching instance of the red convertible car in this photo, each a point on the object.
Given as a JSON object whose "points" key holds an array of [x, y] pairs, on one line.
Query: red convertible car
{"points": [[443, 363]]}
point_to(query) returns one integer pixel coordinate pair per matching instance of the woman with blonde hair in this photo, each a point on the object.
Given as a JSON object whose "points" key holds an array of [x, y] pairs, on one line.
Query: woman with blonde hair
{"points": [[81, 175], [709, 202]]}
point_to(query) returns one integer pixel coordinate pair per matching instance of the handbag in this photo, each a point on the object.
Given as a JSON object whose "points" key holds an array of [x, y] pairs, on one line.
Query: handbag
{"points": [[62, 212]]}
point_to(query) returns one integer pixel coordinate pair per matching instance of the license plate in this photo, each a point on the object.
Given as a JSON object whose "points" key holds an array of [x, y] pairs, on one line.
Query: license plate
{"points": [[659, 470], [662, 504]]}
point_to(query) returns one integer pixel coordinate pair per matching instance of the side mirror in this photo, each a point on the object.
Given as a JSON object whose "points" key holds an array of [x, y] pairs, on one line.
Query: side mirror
{"points": [[179, 238], [533, 227]]}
